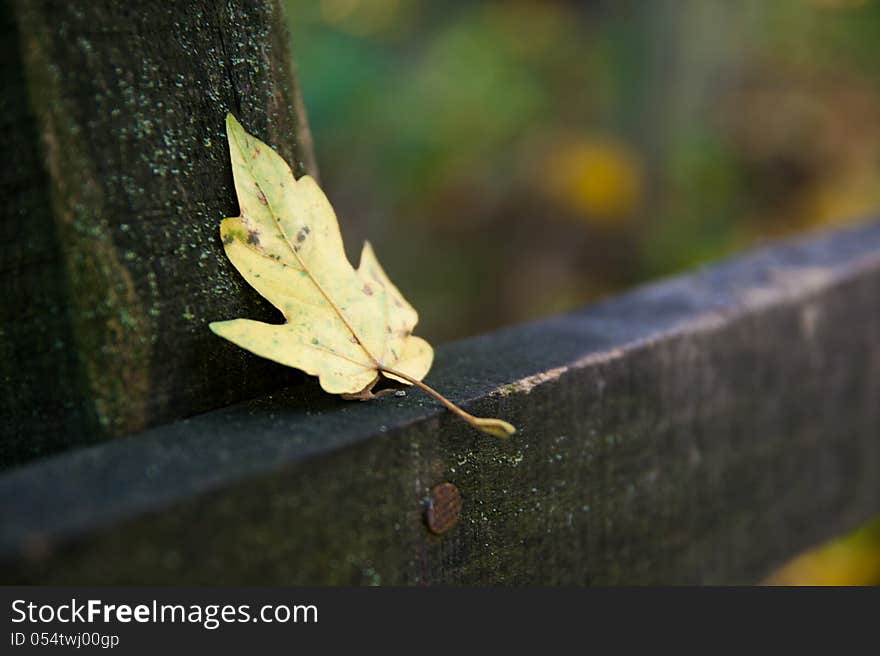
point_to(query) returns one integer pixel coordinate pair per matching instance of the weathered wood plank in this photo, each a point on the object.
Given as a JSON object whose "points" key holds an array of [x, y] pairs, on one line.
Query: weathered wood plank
{"points": [[36, 338], [127, 107], [701, 429]]}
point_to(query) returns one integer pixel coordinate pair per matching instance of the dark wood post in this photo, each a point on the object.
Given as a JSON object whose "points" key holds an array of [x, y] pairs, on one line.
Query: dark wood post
{"points": [[39, 406], [118, 180]]}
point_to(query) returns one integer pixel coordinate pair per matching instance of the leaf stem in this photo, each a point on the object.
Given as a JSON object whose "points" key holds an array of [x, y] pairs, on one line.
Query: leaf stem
{"points": [[491, 426]]}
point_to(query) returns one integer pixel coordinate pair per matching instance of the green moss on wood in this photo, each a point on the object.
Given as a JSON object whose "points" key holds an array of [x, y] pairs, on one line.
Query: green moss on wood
{"points": [[130, 106]]}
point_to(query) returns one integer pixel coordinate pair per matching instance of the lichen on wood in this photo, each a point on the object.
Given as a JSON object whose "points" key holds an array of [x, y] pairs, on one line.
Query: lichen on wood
{"points": [[130, 106]]}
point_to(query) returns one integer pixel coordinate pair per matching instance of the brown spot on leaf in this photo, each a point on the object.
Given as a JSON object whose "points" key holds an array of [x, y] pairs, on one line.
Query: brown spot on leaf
{"points": [[262, 197], [368, 290], [256, 152], [227, 239], [253, 237], [302, 234]]}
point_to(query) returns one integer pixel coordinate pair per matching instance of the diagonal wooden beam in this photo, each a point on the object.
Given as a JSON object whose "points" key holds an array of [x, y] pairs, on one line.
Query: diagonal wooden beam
{"points": [[697, 430]]}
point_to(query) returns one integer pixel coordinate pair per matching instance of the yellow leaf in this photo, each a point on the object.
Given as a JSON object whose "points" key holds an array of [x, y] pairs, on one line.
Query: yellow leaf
{"points": [[345, 326]]}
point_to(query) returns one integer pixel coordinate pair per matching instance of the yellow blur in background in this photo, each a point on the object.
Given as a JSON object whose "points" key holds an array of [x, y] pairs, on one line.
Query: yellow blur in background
{"points": [[598, 181], [851, 560]]}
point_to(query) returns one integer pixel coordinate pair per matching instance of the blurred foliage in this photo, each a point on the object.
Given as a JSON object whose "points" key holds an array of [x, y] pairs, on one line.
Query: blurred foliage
{"points": [[852, 560], [513, 159]]}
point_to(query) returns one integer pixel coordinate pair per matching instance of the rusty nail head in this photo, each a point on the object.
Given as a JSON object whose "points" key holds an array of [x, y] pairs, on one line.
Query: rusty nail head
{"points": [[443, 508]]}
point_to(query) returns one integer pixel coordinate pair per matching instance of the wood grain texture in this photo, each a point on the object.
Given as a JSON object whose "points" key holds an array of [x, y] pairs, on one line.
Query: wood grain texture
{"points": [[699, 430], [41, 408], [127, 105]]}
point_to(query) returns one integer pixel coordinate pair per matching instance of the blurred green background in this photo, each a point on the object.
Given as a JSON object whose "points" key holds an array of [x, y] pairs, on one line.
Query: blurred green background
{"points": [[513, 159]]}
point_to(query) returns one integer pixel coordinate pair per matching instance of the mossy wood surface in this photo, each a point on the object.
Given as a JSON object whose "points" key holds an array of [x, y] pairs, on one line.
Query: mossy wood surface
{"points": [[41, 407], [110, 214], [699, 430]]}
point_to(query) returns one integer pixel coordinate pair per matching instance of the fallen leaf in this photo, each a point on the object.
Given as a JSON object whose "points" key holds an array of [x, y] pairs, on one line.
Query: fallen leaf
{"points": [[349, 327]]}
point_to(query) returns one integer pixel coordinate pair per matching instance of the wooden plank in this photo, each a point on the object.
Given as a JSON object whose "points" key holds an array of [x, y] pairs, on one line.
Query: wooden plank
{"points": [[698, 430], [125, 137], [36, 337]]}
